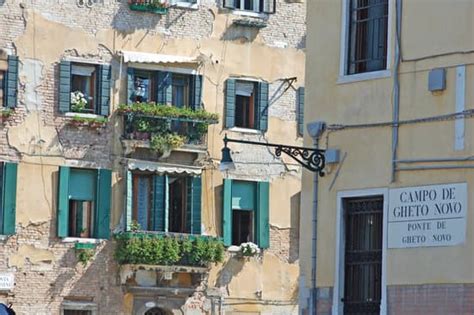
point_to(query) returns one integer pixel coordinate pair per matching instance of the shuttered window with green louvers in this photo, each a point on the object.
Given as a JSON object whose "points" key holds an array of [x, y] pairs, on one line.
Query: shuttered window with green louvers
{"points": [[300, 110], [245, 213], [8, 186], [164, 203], [84, 88], [246, 104], [84, 202], [164, 87]]}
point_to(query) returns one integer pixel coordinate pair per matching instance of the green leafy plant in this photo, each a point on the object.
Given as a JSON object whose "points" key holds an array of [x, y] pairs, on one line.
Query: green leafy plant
{"points": [[166, 111], [84, 255], [160, 249], [6, 112], [166, 142], [135, 226], [78, 101], [79, 121]]}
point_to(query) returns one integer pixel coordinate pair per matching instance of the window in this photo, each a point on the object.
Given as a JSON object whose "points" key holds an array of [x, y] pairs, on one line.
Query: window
{"points": [[77, 312], [246, 104], [8, 180], [300, 110], [258, 6], [163, 87], [79, 308], [8, 81], [84, 88], [363, 219], [246, 212], [166, 203], [84, 202], [368, 25]]}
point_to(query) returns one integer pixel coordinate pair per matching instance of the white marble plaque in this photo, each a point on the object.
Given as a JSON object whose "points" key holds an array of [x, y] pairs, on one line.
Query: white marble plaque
{"points": [[7, 281], [427, 216]]}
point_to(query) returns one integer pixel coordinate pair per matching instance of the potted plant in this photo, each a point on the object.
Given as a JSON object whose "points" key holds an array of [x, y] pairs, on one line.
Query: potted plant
{"points": [[84, 233], [155, 6], [142, 129], [249, 249], [78, 102]]}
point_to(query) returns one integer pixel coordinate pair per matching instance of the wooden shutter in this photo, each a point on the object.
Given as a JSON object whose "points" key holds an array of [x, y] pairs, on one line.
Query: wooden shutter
{"points": [[9, 197], [130, 85], [300, 110], [193, 211], [64, 86], [128, 201], [196, 92], [227, 212], [104, 78], [11, 82], [230, 104], [159, 202], [263, 224], [262, 110], [229, 4], [376, 35], [102, 222], [164, 89], [63, 201]]}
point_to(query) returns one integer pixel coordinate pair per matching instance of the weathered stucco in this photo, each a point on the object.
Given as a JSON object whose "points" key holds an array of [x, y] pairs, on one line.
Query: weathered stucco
{"points": [[42, 34]]}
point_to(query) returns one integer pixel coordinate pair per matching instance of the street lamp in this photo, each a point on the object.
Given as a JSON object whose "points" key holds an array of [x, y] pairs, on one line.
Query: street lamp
{"points": [[310, 158]]}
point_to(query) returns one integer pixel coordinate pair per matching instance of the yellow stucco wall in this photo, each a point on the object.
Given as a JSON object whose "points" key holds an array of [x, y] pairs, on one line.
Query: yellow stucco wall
{"points": [[433, 28]]}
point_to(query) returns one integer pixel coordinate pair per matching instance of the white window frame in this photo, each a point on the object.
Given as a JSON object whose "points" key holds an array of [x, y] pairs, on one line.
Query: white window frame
{"points": [[338, 293], [186, 4], [344, 51], [79, 306]]}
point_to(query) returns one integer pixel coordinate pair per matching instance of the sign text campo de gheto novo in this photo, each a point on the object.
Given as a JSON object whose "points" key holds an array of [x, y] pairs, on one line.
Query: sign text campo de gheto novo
{"points": [[427, 216]]}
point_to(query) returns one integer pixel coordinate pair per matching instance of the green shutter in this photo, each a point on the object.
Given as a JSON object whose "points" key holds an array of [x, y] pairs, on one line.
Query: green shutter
{"points": [[130, 85], [196, 92], [82, 184], [262, 108], [159, 203], [128, 200], [263, 225], [227, 212], [165, 89], [11, 82], [63, 201], [193, 210], [230, 104], [102, 223], [9, 197], [64, 86], [103, 104], [300, 110]]}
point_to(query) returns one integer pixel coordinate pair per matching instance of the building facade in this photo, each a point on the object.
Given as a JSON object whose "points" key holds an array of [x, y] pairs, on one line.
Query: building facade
{"points": [[112, 204], [392, 82]]}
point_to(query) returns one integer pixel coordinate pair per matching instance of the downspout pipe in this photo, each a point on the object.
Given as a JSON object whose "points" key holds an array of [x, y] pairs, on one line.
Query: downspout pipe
{"points": [[396, 86], [315, 130]]}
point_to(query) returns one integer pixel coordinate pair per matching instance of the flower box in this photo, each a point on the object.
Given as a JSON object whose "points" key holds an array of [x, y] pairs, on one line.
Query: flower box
{"points": [[148, 8]]}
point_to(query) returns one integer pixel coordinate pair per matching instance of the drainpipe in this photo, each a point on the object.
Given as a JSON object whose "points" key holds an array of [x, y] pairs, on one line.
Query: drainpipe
{"points": [[315, 130], [396, 86]]}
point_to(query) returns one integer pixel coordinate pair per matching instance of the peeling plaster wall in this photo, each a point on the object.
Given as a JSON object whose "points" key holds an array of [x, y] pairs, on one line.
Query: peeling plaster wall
{"points": [[42, 33]]}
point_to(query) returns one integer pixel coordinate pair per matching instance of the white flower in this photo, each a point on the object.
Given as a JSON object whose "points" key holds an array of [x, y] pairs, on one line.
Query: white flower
{"points": [[249, 249]]}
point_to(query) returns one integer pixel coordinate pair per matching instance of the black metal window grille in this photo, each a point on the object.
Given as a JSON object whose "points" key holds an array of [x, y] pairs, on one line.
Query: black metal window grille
{"points": [[368, 25], [363, 255], [77, 312]]}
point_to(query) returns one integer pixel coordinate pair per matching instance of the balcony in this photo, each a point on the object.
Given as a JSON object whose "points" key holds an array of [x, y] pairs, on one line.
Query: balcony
{"points": [[164, 260], [163, 128], [152, 6]]}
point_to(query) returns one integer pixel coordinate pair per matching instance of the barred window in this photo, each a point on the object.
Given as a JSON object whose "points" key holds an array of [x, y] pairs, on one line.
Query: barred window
{"points": [[368, 24]]}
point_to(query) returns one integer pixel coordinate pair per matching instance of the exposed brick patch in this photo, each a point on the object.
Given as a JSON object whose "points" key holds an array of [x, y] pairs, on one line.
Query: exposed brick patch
{"points": [[431, 299]]}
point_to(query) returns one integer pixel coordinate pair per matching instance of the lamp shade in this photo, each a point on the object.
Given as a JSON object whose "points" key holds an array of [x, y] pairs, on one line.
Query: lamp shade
{"points": [[226, 162]]}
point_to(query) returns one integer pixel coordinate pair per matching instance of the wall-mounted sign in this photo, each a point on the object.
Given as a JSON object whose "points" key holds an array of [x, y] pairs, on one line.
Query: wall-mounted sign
{"points": [[7, 281], [427, 216]]}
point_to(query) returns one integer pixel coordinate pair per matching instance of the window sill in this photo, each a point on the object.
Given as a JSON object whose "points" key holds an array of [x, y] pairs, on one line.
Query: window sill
{"points": [[81, 240], [364, 76], [246, 130], [82, 115], [249, 13], [186, 5]]}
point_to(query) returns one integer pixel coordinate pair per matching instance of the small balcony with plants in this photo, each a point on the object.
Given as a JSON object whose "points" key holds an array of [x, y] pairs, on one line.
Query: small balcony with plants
{"points": [[152, 6], [166, 260], [164, 128]]}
